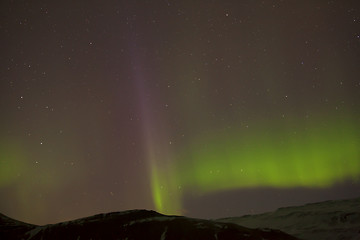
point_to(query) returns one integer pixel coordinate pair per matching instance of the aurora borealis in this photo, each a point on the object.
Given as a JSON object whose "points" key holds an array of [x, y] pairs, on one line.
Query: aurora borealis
{"points": [[203, 108], [310, 156]]}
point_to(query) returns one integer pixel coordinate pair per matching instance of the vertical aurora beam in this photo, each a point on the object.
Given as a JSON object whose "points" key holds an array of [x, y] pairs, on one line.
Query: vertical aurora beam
{"points": [[158, 159], [166, 199]]}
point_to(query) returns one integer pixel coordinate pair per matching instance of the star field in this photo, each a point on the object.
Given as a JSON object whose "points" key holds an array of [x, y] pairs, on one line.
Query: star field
{"points": [[202, 108]]}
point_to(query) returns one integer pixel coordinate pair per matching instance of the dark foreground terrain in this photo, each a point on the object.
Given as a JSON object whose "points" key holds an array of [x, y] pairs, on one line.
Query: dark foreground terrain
{"points": [[331, 220], [135, 224]]}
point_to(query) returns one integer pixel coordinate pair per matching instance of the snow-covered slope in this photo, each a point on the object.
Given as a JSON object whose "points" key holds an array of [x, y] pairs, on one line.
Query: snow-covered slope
{"points": [[141, 224], [330, 220]]}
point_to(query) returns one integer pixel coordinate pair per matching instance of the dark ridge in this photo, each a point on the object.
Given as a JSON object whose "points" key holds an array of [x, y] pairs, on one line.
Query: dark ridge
{"points": [[138, 224], [13, 229]]}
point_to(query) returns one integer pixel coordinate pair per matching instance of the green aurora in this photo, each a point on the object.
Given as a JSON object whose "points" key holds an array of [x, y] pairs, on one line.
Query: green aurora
{"points": [[311, 154]]}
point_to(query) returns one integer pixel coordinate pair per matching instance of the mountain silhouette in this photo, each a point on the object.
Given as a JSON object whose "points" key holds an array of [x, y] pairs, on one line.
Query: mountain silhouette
{"points": [[134, 225]]}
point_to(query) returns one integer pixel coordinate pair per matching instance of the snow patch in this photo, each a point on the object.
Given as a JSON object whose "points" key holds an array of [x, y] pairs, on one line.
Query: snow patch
{"points": [[163, 235], [34, 232]]}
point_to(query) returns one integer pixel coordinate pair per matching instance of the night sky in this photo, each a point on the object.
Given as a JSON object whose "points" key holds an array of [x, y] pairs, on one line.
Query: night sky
{"points": [[201, 108]]}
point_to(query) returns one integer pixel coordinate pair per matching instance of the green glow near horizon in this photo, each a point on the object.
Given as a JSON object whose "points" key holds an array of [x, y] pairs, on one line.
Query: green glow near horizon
{"points": [[166, 200], [11, 163], [315, 155]]}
